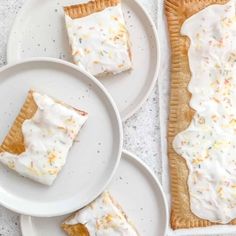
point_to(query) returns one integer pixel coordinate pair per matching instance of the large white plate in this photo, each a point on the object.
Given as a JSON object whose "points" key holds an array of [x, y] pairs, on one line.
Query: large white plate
{"points": [[91, 161], [39, 30], [137, 190]]}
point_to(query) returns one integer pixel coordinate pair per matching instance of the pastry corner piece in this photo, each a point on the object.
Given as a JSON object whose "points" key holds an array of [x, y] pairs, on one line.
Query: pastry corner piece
{"points": [[104, 216], [98, 37], [39, 140], [180, 113]]}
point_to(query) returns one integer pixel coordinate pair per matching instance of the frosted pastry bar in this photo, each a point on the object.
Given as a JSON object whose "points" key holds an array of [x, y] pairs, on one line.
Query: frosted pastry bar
{"points": [[102, 217], [39, 141], [98, 37], [208, 144]]}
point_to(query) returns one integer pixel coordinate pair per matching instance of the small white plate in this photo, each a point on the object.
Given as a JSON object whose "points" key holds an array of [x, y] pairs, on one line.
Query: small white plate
{"points": [[39, 30], [136, 189], [92, 160]]}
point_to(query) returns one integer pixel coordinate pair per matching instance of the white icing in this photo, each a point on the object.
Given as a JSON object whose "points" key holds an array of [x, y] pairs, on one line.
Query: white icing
{"points": [[99, 41], [209, 143], [103, 218], [48, 136]]}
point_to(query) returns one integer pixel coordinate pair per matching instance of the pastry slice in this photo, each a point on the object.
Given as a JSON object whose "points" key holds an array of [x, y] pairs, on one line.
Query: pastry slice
{"points": [[102, 217], [98, 37], [38, 143]]}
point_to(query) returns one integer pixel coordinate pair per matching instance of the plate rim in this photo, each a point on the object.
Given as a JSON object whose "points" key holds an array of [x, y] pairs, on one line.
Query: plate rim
{"points": [[25, 221], [144, 98], [119, 128]]}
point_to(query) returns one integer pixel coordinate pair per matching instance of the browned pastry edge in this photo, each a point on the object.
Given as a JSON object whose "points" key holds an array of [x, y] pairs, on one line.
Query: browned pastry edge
{"points": [[14, 141], [75, 230], [180, 114], [82, 10]]}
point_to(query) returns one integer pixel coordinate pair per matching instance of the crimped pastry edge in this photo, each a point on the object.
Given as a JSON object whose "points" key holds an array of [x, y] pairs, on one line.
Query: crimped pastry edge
{"points": [[85, 9]]}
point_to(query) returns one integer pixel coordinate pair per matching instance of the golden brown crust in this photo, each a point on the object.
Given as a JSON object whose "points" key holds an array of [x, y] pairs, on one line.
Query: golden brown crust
{"points": [[82, 10], [75, 230], [14, 141], [180, 114]]}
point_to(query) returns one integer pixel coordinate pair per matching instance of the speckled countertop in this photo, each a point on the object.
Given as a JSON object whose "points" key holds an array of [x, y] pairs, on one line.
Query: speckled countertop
{"points": [[141, 131]]}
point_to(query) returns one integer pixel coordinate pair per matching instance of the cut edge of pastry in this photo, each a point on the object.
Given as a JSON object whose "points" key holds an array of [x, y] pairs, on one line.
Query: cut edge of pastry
{"points": [[14, 141], [180, 113], [75, 230], [85, 9]]}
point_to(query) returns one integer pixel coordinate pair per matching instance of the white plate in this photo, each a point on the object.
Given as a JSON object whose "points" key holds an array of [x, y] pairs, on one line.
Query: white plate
{"points": [[136, 189], [39, 30], [91, 161]]}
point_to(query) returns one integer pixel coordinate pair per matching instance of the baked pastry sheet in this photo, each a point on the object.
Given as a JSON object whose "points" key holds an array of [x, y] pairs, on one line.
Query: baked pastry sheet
{"points": [[180, 113]]}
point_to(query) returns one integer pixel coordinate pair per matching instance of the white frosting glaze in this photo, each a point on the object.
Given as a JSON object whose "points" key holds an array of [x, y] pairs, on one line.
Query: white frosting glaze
{"points": [[209, 143], [99, 41], [103, 218], [48, 136]]}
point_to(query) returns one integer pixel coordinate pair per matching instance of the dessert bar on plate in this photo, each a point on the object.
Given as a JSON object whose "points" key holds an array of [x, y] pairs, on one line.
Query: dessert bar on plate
{"points": [[98, 37], [38, 143], [104, 216]]}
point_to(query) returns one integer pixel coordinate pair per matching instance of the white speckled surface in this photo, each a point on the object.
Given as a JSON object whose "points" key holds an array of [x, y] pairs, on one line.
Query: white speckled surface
{"points": [[141, 131]]}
